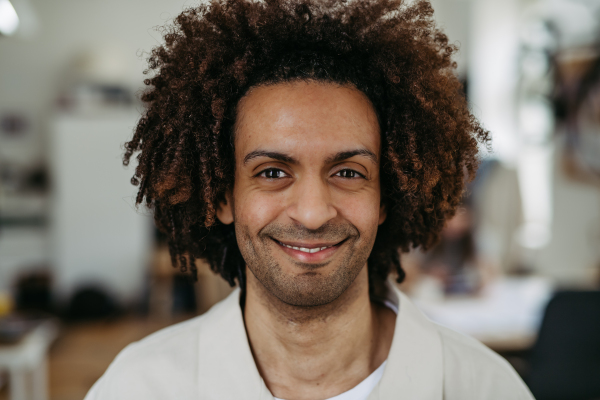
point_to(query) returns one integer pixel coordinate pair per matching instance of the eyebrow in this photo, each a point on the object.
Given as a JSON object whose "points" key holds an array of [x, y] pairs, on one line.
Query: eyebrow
{"points": [[342, 155], [269, 154]]}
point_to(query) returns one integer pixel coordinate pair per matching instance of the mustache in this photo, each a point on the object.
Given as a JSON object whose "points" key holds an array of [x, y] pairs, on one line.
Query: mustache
{"points": [[328, 232]]}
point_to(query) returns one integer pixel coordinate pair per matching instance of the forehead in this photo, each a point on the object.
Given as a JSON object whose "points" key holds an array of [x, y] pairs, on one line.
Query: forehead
{"points": [[305, 118]]}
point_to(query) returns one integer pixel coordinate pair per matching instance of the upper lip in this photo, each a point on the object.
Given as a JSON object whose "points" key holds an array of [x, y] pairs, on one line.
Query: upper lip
{"points": [[309, 245]]}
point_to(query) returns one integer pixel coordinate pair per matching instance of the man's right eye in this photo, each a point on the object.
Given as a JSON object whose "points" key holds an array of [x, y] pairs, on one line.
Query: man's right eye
{"points": [[272, 173]]}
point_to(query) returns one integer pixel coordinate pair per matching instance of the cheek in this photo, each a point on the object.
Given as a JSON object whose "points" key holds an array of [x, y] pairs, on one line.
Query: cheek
{"points": [[254, 209], [362, 211]]}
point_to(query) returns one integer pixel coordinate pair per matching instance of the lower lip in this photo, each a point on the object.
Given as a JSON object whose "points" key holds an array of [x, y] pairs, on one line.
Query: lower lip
{"points": [[319, 256]]}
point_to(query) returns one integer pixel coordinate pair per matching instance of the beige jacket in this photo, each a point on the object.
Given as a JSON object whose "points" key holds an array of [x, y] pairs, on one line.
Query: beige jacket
{"points": [[208, 357]]}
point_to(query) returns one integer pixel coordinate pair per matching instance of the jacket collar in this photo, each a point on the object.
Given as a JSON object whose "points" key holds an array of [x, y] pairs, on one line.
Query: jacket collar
{"points": [[226, 368], [414, 368]]}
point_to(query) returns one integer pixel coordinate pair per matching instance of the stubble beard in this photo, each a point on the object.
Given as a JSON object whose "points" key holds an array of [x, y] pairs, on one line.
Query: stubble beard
{"points": [[312, 287]]}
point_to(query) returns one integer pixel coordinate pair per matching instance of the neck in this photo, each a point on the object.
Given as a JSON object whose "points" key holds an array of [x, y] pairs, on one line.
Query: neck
{"points": [[317, 352]]}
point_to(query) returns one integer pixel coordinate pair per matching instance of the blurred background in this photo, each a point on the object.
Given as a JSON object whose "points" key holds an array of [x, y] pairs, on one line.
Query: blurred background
{"points": [[83, 272]]}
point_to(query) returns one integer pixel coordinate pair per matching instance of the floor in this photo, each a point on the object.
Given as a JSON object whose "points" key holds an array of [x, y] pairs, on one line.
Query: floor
{"points": [[83, 352]]}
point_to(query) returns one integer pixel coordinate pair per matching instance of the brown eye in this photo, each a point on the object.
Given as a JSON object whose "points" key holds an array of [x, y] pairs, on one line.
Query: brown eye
{"points": [[349, 174], [272, 173]]}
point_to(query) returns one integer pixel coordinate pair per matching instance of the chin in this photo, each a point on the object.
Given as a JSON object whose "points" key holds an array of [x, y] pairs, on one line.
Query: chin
{"points": [[310, 289]]}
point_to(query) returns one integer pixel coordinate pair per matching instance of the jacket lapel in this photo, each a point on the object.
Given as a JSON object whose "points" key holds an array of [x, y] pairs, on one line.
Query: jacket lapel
{"points": [[414, 368], [226, 368]]}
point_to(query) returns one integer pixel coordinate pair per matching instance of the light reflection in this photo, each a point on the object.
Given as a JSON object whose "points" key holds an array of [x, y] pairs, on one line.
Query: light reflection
{"points": [[9, 21]]}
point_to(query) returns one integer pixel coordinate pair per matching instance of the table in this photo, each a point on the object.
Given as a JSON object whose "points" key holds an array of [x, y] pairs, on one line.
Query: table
{"points": [[506, 316], [26, 361]]}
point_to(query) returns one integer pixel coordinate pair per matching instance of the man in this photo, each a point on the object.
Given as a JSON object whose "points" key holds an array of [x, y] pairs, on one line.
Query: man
{"points": [[297, 145]]}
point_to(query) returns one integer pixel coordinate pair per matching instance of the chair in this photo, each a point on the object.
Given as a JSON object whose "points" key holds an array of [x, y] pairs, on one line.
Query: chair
{"points": [[565, 362]]}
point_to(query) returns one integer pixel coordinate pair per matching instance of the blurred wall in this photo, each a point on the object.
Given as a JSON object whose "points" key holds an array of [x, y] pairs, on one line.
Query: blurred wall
{"points": [[34, 67], [453, 17]]}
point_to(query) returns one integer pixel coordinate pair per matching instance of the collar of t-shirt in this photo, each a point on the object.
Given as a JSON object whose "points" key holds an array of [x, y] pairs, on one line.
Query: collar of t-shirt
{"points": [[364, 389]]}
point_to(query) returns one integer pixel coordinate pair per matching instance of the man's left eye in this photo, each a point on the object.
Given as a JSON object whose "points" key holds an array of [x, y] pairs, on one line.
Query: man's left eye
{"points": [[349, 174]]}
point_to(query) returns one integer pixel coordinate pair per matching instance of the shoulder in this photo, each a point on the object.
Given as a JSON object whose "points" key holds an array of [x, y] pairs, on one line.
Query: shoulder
{"points": [[163, 365], [432, 361], [144, 369], [473, 371]]}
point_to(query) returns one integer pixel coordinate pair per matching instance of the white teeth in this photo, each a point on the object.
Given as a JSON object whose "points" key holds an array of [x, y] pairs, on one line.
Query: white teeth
{"points": [[305, 249]]}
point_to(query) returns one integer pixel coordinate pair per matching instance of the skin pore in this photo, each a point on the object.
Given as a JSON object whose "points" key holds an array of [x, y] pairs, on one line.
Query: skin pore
{"points": [[306, 205]]}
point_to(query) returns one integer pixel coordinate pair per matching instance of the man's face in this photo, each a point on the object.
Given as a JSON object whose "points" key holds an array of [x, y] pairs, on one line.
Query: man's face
{"points": [[306, 200]]}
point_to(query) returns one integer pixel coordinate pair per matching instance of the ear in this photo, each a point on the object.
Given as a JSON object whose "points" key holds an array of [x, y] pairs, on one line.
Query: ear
{"points": [[225, 210], [382, 213]]}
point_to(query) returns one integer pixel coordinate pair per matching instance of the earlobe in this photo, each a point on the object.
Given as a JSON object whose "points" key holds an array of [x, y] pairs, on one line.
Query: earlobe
{"points": [[382, 213], [225, 210]]}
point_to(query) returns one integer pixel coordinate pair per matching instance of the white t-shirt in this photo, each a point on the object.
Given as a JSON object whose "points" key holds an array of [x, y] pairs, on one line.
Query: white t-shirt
{"points": [[362, 390]]}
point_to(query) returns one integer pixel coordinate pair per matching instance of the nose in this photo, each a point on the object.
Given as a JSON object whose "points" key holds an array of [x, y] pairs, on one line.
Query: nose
{"points": [[311, 203]]}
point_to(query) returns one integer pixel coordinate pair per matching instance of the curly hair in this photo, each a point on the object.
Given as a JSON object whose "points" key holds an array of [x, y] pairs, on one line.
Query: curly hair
{"points": [[212, 54]]}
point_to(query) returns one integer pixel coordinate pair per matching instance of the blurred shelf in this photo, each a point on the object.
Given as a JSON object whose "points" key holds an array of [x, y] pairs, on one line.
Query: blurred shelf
{"points": [[29, 209]]}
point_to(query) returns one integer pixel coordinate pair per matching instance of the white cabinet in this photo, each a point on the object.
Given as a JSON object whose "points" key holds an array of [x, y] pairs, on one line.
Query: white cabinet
{"points": [[97, 235]]}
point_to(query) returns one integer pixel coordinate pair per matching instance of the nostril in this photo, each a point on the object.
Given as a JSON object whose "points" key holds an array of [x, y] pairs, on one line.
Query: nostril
{"points": [[312, 217], [311, 206]]}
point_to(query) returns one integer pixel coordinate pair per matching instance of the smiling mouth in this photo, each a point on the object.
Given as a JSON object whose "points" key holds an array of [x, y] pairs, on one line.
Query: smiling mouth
{"points": [[309, 250]]}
